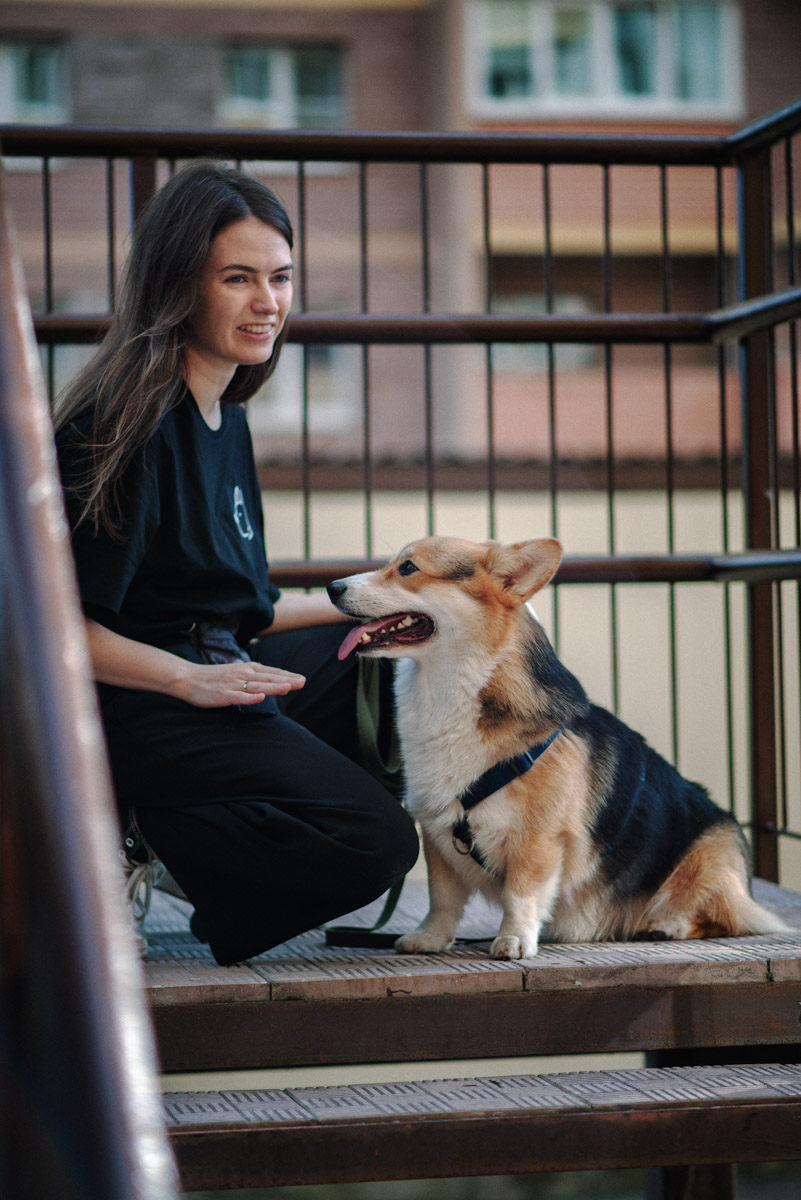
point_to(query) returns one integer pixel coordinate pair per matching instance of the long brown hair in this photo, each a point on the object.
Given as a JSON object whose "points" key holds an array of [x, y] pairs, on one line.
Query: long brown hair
{"points": [[137, 375]]}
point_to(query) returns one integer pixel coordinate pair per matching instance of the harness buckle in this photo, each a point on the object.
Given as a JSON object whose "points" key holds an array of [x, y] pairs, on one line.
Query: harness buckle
{"points": [[463, 842]]}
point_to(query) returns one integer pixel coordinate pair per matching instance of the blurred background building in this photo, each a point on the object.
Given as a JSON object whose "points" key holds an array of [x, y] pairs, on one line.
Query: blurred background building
{"points": [[516, 65]]}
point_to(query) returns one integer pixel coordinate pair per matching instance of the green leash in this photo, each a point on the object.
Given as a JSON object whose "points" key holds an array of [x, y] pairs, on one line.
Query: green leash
{"points": [[387, 771]]}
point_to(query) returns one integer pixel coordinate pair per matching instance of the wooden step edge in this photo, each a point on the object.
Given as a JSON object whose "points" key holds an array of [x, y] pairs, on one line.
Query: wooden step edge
{"points": [[501, 1125]]}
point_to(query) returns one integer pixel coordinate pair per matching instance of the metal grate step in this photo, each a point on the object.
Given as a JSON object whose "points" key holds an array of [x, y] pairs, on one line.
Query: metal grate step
{"points": [[501, 1125]]}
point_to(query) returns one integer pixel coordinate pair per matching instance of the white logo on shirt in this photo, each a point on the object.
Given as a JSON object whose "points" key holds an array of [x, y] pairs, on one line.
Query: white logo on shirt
{"points": [[241, 515]]}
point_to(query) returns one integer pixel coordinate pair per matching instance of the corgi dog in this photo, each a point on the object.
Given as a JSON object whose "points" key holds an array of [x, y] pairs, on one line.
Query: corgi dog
{"points": [[524, 790]]}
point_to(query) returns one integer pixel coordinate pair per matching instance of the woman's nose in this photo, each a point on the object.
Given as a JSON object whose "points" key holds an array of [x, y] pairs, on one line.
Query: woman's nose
{"points": [[265, 300]]}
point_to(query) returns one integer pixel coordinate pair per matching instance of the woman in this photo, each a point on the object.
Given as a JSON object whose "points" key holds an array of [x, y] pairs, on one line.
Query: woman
{"points": [[230, 723]]}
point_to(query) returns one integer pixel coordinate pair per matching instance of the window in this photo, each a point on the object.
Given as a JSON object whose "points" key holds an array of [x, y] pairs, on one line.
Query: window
{"points": [[329, 376], [648, 58], [525, 358], [282, 87], [32, 83]]}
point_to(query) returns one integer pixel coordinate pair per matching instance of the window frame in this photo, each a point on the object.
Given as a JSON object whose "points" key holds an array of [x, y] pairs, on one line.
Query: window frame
{"points": [[279, 111], [604, 100], [15, 110]]}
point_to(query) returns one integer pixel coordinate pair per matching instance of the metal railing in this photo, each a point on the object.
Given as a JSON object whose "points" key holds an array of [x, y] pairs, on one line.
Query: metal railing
{"points": [[79, 1107], [396, 214]]}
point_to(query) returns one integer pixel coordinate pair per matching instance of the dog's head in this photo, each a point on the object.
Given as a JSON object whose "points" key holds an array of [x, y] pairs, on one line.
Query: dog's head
{"points": [[440, 586]]}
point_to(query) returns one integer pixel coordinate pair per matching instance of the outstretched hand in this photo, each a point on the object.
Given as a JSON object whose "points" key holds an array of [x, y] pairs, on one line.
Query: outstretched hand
{"points": [[227, 684]]}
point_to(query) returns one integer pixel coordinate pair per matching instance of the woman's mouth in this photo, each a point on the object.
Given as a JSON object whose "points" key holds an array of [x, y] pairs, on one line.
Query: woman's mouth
{"points": [[257, 331]]}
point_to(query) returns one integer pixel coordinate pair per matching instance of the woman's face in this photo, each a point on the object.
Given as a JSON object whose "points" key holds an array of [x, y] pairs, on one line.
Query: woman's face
{"points": [[244, 296]]}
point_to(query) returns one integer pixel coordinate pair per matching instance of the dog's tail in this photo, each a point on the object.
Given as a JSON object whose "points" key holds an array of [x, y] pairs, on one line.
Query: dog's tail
{"points": [[708, 894], [750, 918]]}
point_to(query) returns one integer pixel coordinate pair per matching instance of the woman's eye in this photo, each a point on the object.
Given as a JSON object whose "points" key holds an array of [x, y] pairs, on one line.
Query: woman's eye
{"points": [[407, 567]]}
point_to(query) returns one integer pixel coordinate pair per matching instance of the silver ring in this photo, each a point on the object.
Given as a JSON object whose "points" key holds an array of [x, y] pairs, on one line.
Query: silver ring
{"points": [[245, 686]]}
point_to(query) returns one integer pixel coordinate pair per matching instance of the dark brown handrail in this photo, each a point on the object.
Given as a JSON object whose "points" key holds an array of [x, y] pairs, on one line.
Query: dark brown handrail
{"points": [[363, 146], [392, 146], [765, 131], [725, 324], [436, 329], [747, 567], [751, 316], [79, 1111]]}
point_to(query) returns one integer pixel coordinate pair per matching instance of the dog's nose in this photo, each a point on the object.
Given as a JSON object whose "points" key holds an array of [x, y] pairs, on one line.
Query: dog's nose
{"points": [[336, 589]]}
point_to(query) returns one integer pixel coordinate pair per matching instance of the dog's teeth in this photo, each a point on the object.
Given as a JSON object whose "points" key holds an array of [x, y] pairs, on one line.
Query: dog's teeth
{"points": [[365, 637]]}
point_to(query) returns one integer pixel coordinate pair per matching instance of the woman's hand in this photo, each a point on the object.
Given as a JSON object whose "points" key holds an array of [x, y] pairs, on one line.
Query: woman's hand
{"points": [[125, 663], [234, 683]]}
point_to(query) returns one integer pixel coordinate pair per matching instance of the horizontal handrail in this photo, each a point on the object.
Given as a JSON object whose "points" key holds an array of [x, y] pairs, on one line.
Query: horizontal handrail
{"points": [[363, 146], [437, 328], [756, 566], [363, 329], [765, 131], [750, 316], [399, 146]]}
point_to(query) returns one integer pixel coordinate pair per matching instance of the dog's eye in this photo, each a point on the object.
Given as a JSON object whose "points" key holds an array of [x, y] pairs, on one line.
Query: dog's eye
{"points": [[407, 567]]}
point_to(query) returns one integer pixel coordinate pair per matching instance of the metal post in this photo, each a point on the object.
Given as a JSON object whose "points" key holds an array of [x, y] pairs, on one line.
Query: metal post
{"points": [[143, 182], [756, 358]]}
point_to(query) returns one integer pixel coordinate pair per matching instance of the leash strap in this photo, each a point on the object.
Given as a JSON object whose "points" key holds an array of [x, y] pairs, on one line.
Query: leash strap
{"points": [[386, 771], [372, 938], [368, 720]]}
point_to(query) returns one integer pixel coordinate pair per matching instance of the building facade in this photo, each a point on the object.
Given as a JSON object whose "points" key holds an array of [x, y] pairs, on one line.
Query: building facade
{"points": [[642, 66]]}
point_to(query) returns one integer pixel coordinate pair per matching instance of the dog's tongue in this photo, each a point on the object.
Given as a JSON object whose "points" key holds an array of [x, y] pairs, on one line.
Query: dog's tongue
{"points": [[354, 636]]}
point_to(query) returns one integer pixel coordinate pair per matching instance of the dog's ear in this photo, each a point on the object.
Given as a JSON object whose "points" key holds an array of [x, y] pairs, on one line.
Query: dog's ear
{"points": [[524, 567]]}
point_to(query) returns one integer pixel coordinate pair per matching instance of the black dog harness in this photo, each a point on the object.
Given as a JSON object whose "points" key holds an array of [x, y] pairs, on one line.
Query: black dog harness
{"points": [[486, 785]]}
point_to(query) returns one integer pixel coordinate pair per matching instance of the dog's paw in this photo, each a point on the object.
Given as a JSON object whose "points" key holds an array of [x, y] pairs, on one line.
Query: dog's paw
{"points": [[651, 935], [508, 946], [422, 942]]}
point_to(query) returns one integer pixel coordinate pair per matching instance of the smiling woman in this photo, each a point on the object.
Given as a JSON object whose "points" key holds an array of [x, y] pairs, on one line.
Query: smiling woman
{"points": [[245, 297], [230, 723]]}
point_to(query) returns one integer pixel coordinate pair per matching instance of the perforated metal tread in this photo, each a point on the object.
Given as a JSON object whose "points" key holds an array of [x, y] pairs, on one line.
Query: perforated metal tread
{"points": [[305, 968], [474, 1126], [376, 1005]]}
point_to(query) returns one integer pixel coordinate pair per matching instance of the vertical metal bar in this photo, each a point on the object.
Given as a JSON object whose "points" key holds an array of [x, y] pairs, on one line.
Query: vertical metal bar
{"points": [[364, 300], [425, 238], [49, 291], [305, 455], [47, 213], [547, 282], [792, 277], [553, 451], [490, 373], [720, 293], [606, 287], [110, 235], [143, 182], [667, 300], [755, 278]]}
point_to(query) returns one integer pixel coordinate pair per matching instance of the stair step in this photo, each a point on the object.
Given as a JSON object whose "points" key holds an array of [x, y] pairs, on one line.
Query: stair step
{"points": [[500, 1125], [306, 1003]]}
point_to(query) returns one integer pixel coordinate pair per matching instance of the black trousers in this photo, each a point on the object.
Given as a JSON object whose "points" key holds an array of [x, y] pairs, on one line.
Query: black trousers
{"points": [[262, 815]]}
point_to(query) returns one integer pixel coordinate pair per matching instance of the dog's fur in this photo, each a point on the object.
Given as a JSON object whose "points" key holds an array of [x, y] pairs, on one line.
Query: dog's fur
{"points": [[601, 838]]}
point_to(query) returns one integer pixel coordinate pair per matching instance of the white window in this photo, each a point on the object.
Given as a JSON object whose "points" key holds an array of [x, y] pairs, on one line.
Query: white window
{"points": [[282, 87], [524, 358], [632, 58], [327, 377], [33, 87]]}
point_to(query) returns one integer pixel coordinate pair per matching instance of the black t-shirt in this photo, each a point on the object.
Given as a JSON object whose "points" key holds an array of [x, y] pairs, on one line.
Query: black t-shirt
{"points": [[193, 532]]}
